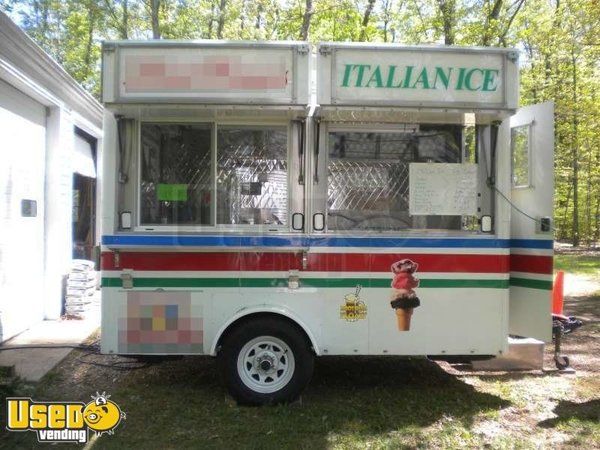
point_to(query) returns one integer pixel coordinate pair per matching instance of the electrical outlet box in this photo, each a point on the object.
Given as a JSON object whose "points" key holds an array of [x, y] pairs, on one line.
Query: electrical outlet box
{"points": [[544, 225]]}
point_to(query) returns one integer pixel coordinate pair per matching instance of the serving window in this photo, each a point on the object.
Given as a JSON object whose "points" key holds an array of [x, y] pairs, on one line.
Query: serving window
{"points": [[212, 175], [369, 182], [176, 177], [252, 176]]}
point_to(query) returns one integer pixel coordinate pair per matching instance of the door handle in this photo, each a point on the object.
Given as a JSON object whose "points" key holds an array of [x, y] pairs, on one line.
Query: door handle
{"points": [[304, 260]]}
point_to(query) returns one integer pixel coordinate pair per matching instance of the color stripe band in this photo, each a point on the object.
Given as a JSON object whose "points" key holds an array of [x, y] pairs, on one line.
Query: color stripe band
{"points": [[317, 241]]}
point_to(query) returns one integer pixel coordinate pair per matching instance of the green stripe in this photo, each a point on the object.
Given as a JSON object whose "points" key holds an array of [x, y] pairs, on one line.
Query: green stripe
{"points": [[385, 283], [304, 282], [531, 283]]}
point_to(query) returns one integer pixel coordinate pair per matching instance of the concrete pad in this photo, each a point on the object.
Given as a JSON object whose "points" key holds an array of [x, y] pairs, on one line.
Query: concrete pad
{"points": [[32, 364], [522, 354]]}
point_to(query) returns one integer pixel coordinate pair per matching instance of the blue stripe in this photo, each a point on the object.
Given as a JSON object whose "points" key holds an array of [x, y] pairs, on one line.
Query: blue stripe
{"points": [[318, 241], [326, 241], [205, 241], [532, 243]]}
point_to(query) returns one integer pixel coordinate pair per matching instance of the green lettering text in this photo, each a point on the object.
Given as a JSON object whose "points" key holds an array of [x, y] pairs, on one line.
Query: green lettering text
{"points": [[361, 74], [422, 79], [347, 72], [469, 80], [461, 79], [407, 76], [490, 82], [444, 77], [390, 78], [375, 77]]}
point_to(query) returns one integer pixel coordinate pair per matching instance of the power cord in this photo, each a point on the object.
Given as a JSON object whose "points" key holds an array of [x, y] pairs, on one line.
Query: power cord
{"points": [[24, 347], [538, 221], [90, 350], [490, 182]]}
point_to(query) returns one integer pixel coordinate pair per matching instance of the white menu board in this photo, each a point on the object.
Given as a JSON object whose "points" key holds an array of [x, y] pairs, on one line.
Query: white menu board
{"points": [[442, 189]]}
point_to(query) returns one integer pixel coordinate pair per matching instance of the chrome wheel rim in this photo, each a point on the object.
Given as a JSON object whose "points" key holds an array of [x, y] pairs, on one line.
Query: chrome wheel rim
{"points": [[265, 364]]}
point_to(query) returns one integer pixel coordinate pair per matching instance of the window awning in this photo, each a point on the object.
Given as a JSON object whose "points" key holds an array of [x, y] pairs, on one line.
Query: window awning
{"points": [[83, 158]]}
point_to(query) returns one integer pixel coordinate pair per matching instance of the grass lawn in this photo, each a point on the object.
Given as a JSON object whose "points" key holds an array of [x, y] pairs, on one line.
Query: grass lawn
{"points": [[585, 264]]}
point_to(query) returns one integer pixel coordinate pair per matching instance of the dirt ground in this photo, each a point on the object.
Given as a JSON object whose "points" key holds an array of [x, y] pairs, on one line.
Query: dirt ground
{"points": [[351, 402]]}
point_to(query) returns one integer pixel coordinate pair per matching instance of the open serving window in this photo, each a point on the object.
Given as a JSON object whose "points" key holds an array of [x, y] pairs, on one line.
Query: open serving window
{"points": [[389, 178]]}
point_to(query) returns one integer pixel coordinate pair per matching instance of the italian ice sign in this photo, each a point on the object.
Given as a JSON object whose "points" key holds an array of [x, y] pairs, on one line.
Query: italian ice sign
{"points": [[424, 77]]}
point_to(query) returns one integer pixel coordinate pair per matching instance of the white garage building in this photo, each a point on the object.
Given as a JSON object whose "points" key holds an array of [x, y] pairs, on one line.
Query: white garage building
{"points": [[50, 137]]}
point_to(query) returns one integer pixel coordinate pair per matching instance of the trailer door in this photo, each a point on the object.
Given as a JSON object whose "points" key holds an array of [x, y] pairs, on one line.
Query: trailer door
{"points": [[532, 225]]}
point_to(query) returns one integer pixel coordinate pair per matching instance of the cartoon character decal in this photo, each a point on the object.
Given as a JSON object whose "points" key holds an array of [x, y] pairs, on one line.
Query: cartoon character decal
{"points": [[403, 298], [102, 415], [353, 308]]}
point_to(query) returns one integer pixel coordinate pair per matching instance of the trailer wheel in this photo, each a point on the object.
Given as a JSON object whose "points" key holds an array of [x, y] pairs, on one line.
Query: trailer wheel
{"points": [[266, 361]]}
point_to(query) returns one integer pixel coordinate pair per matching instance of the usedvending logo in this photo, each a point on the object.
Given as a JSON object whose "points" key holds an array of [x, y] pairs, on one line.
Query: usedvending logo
{"points": [[64, 421]]}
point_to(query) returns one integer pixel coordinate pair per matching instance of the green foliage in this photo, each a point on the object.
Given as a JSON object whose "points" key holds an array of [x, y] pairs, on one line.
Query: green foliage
{"points": [[560, 54]]}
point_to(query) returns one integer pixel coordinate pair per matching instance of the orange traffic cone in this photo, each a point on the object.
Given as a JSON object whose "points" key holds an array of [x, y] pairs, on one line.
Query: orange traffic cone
{"points": [[557, 293]]}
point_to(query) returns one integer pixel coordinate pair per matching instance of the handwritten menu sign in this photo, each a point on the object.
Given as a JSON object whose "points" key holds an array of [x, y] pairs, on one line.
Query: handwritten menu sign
{"points": [[442, 189]]}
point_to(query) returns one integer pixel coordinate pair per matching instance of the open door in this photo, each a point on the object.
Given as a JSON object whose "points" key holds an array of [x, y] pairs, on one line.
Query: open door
{"points": [[532, 225]]}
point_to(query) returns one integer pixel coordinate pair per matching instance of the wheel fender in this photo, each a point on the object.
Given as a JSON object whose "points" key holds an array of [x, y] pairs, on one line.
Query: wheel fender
{"points": [[272, 309]]}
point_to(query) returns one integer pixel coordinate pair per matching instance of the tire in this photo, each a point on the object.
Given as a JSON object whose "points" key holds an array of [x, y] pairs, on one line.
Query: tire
{"points": [[266, 361]]}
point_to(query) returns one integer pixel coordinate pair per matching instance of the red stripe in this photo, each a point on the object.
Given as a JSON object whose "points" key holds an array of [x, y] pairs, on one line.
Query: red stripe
{"points": [[350, 262], [252, 261], [531, 263], [317, 262]]}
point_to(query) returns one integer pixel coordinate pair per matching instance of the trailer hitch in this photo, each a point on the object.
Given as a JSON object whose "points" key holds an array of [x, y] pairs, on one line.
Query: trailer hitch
{"points": [[562, 325]]}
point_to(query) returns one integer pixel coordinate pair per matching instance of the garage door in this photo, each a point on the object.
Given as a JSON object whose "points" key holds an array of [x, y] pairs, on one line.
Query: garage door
{"points": [[22, 168]]}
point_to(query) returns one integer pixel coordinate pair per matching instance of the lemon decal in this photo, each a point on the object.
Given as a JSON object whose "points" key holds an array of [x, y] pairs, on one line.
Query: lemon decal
{"points": [[102, 415], [353, 308]]}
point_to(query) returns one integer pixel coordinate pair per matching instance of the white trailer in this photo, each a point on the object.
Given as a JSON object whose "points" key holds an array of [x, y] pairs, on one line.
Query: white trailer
{"points": [[403, 209]]}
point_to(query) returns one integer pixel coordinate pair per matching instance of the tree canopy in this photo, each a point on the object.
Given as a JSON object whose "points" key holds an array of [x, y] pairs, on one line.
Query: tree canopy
{"points": [[558, 41]]}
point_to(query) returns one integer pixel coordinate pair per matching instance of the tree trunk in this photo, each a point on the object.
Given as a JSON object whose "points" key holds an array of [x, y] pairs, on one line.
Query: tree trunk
{"points": [[259, 11], [493, 16], [221, 22], [387, 6], [575, 153], [597, 232], [365, 21], [211, 20], [124, 32], [565, 213], [308, 13], [588, 200], [243, 14], [448, 12], [90, 39], [502, 38], [154, 8]]}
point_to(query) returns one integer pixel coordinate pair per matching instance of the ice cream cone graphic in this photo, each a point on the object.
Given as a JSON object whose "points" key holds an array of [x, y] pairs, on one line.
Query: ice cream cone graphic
{"points": [[403, 317], [404, 299]]}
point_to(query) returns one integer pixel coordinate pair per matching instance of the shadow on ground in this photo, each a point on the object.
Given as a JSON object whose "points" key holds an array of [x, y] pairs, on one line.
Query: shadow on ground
{"points": [[181, 403], [566, 410], [184, 404]]}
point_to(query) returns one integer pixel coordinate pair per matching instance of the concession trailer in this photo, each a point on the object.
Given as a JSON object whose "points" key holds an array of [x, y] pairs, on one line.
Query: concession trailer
{"points": [[266, 203]]}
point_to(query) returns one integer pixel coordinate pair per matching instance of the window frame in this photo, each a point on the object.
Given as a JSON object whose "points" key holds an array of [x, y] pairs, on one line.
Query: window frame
{"points": [[529, 127], [214, 226], [384, 128]]}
